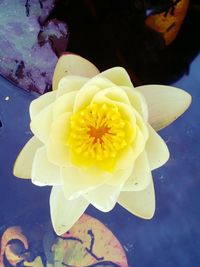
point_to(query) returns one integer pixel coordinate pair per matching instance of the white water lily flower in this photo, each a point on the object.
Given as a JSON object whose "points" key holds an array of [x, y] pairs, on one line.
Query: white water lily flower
{"points": [[95, 140]]}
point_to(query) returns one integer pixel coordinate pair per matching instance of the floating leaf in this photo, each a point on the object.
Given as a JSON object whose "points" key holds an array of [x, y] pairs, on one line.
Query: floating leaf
{"points": [[29, 44]]}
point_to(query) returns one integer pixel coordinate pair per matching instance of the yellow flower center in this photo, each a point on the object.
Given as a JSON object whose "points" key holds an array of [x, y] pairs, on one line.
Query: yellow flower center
{"points": [[98, 131]]}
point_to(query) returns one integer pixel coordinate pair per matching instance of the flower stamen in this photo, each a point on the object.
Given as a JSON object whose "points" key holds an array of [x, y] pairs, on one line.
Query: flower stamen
{"points": [[98, 131]]}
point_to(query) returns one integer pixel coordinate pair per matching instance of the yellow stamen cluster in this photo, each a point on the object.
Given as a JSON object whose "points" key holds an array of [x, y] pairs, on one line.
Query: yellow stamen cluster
{"points": [[98, 131]]}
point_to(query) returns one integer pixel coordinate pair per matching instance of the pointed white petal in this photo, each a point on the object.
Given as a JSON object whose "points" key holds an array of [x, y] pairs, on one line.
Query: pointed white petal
{"points": [[70, 83], [77, 181], [118, 76], [140, 203], [40, 103], [64, 104], [120, 176], [41, 123], [115, 94], [126, 159], [127, 111], [70, 64], [89, 90], [157, 150], [103, 197], [24, 161], [64, 213], [165, 104], [109, 78], [57, 148], [138, 101], [43, 171], [141, 176]]}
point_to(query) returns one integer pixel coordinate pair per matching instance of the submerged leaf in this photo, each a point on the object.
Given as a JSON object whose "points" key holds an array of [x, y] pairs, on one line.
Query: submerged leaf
{"points": [[29, 44]]}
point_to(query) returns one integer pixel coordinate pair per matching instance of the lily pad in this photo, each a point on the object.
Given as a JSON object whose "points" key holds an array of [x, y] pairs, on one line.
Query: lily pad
{"points": [[29, 43]]}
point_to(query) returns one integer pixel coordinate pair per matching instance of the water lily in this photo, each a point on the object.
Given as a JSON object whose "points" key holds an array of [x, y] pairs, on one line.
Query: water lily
{"points": [[95, 140]]}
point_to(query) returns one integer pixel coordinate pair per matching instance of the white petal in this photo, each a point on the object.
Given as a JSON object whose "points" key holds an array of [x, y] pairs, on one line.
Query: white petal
{"points": [[70, 83], [64, 103], [138, 145], [57, 148], [140, 203], [165, 104], [118, 76], [116, 94], [64, 213], [70, 64], [41, 123], [43, 171], [40, 103], [120, 176], [24, 161], [77, 181], [89, 90], [138, 101], [103, 197], [157, 150], [127, 111], [126, 158], [141, 176]]}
